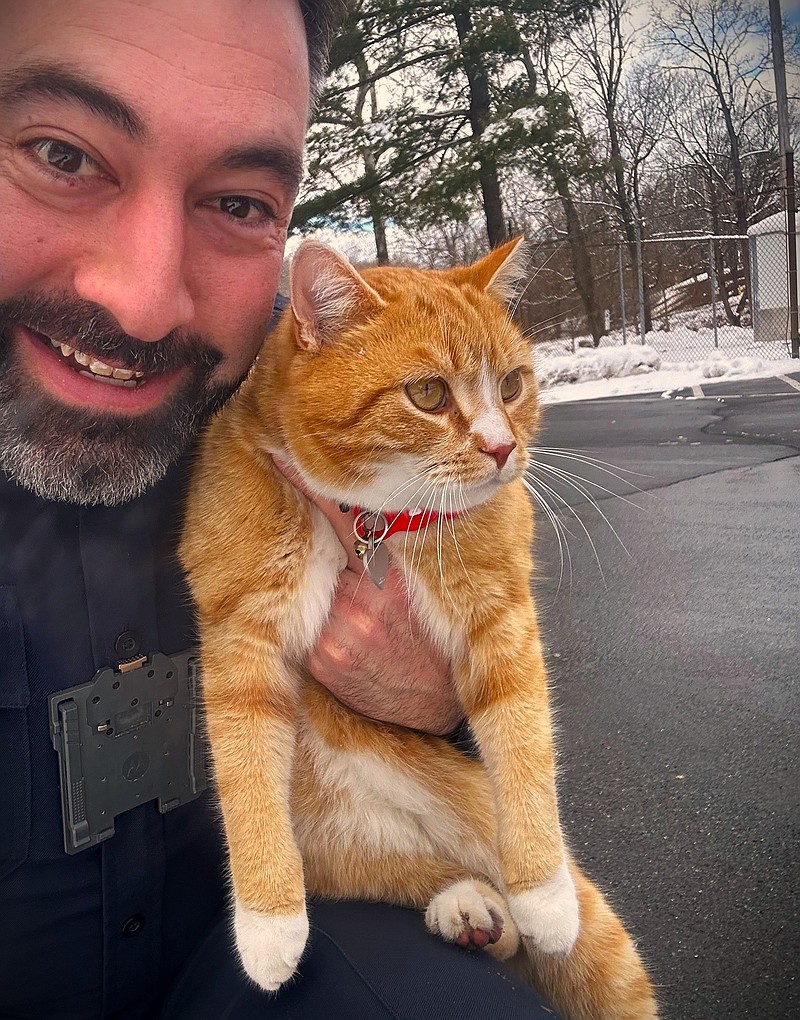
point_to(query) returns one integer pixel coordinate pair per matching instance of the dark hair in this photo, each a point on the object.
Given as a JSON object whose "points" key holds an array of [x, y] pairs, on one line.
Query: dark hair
{"points": [[321, 19]]}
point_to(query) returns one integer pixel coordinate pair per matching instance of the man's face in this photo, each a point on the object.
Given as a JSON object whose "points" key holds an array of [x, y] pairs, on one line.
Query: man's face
{"points": [[150, 154]]}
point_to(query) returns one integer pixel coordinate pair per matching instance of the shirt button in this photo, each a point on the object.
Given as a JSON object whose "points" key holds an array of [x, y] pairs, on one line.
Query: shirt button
{"points": [[133, 925], [128, 644]]}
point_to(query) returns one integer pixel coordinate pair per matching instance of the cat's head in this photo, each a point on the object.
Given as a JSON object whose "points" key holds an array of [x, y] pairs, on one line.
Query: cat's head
{"points": [[407, 388]]}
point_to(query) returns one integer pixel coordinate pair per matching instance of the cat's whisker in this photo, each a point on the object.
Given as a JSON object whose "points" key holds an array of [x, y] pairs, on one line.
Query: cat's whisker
{"points": [[557, 495], [563, 543], [574, 483], [469, 526], [398, 489], [569, 476], [578, 488], [439, 545], [424, 533], [406, 534], [517, 300], [422, 473], [452, 528], [414, 553], [600, 465], [439, 539], [542, 324], [409, 569]]}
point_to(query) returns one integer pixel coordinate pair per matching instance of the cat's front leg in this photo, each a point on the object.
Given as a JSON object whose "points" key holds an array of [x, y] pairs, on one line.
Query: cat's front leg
{"points": [[549, 913], [506, 700], [269, 945], [249, 697]]}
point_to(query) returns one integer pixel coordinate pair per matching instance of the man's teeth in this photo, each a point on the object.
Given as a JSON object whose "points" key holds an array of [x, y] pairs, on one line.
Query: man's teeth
{"points": [[97, 368]]}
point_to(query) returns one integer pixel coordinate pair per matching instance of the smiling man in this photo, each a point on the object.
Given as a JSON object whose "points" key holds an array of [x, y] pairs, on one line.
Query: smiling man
{"points": [[141, 228], [150, 155]]}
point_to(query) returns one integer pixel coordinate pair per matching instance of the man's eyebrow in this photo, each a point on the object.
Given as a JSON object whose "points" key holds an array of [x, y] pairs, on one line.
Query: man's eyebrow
{"points": [[281, 161], [63, 83]]}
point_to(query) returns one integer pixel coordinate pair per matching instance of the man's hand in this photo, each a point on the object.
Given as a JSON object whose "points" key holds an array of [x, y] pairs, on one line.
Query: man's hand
{"points": [[373, 653]]}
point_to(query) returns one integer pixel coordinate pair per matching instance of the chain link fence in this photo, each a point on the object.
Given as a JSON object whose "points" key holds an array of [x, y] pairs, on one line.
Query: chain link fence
{"points": [[687, 297]]}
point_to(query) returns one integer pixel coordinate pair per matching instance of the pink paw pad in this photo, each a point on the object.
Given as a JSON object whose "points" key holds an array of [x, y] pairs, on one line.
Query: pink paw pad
{"points": [[478, 938]]}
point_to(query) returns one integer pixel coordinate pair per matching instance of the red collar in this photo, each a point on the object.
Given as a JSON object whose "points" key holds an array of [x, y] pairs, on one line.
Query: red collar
{"points": [[403, 521]]}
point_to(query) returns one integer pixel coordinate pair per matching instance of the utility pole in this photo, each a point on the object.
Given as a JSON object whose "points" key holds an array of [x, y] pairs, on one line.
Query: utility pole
{"points": [[787, 165]]}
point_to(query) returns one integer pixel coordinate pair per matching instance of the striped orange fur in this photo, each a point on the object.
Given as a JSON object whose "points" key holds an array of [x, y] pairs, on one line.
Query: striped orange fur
{"points": [[317, 799]]}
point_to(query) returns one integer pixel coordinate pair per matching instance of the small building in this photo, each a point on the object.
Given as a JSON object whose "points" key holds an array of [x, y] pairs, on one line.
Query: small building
{"points": [[770, 273]]}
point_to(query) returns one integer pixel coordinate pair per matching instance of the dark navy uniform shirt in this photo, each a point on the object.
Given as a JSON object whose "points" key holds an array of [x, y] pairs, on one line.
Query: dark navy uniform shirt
{"points": [[99, 933]]}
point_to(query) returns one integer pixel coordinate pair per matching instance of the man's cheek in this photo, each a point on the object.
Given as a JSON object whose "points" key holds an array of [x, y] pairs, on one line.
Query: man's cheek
{"points": [[243, 331], [35, 252]]}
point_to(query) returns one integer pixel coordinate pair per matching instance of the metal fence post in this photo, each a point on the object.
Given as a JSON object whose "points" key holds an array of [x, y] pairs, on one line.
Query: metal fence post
{"points": [[622, 294], [791, 250], [640, 268], [713, 281]]}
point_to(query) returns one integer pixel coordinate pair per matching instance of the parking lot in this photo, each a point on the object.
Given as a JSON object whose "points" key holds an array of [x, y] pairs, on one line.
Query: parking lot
{"points": [[674, 662]]}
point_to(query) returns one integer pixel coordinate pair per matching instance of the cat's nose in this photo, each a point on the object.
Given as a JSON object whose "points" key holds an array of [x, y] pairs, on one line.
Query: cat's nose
{"points": [[500, 451]]}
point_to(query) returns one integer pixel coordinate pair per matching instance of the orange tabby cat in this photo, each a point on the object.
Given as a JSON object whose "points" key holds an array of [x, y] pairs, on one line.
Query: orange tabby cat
{"points": [[391, 390]]}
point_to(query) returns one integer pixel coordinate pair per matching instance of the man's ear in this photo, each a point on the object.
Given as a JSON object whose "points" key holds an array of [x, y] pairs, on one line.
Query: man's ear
{"points": [[501, 271], [327, 294]]}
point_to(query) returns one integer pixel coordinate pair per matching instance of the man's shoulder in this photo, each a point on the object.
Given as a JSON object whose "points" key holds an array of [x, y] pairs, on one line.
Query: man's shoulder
{"points": [[279, 306]]}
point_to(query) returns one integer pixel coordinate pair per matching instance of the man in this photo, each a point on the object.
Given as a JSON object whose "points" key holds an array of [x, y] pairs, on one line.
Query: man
{"points": [[150, 155]]}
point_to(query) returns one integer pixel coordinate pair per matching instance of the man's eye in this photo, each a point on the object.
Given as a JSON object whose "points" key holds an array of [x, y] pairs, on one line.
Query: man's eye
{"points": [[63, 157], [248, 210]]}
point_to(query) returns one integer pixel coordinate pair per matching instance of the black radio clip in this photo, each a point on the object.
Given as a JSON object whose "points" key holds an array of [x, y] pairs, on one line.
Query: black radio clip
{"points": [[129, 736]]}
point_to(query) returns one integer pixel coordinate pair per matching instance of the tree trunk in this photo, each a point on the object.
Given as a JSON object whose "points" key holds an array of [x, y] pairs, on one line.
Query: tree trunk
{"points": [[372, 191], [719, 262], [479, 116], [739, 197], [376, 208], [582, 270]]}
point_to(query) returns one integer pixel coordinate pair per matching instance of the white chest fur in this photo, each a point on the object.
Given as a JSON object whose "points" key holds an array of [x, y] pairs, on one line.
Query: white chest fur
{"points": [[325, 561]]}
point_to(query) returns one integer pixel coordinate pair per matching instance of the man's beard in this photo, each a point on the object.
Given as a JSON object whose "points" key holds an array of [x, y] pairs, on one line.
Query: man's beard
{"points": [[87, 456]]}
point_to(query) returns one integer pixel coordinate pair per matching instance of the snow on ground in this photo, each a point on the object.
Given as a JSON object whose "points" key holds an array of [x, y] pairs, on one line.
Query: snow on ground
{"points": [[667, 362]]}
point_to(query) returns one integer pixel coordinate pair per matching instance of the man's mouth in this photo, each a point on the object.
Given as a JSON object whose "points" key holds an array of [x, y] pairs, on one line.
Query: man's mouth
{"points": [[91, 367]]}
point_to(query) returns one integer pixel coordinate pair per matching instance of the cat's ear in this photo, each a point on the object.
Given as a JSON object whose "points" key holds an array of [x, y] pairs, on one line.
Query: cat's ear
{"points": [[502, 270], [327, 294]]}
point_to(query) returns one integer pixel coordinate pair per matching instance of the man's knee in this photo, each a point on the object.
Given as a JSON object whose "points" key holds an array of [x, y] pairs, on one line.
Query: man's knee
{"points": [[364, 961]]}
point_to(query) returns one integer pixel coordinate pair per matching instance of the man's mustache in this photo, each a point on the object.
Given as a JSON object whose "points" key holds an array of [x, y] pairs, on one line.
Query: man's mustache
{"points": [[94, 331]]}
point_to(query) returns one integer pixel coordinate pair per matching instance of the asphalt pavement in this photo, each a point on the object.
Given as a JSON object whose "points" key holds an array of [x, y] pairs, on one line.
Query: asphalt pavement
{"points": [[671, 619]]}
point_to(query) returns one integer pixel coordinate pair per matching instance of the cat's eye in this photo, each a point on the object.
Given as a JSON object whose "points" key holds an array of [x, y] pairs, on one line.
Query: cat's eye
{"points": [[511, 385], [427, 394]]}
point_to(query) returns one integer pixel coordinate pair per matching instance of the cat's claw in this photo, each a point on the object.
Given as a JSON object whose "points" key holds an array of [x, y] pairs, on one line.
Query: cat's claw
{"points": [[270, 945], [473, 915], [548, 914]]}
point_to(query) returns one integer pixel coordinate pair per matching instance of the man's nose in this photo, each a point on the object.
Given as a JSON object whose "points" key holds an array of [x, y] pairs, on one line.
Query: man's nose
{"points": [[137, 272]]}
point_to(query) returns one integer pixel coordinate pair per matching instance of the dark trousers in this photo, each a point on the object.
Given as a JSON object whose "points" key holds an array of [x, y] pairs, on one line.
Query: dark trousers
{"points": [[365, 961]]}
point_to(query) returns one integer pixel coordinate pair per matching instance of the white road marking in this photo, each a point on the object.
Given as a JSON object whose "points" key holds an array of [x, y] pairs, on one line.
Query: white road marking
{"points": [[697, 391], [789, 382]]}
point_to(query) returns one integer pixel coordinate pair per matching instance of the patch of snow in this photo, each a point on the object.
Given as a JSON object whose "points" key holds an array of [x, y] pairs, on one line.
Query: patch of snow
{"points": [[529, 116], [600, 363], [671, 360], [609, 372]]}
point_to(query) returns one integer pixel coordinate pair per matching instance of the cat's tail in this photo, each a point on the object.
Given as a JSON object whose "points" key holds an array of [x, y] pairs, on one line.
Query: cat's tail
{"points": [[603, 977]]}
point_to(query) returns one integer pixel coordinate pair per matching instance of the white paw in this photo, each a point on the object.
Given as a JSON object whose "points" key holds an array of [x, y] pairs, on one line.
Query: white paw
{"points": [[473, 915], [269, 945], [548, 914]]}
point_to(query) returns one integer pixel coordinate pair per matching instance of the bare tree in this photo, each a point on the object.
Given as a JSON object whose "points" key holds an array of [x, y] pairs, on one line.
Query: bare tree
{"points": [[721, 47], [550, 80]]}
